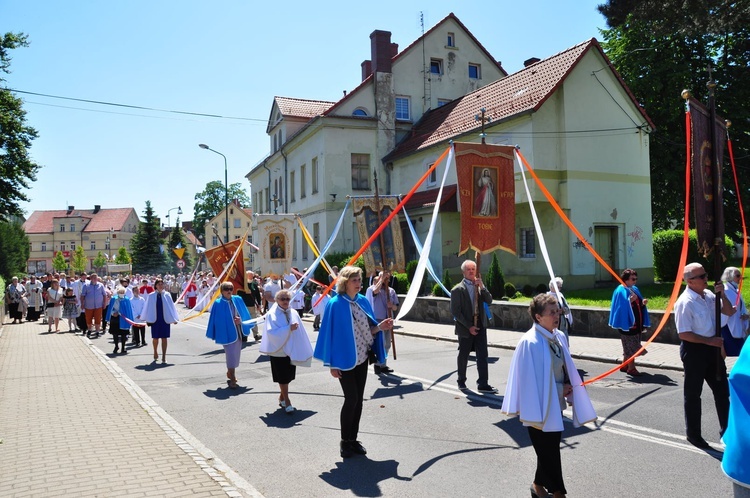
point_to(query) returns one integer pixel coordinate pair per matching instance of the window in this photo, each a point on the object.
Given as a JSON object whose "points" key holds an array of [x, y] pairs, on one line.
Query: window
{"points": [[314, 173], [294, 244], [305, 248], [73, 246], [93, 245], [432, 179], [360, 171], [237, 223], [44, 246], [359, 112], [62, 227], [475, 71], [302, 181], [402, 108], [528, 243], [451, 42], [442, 102], [62, 246], [292, 187], [72, 227], [268, 199], [316, 234], [436, 66], [214, 241]]}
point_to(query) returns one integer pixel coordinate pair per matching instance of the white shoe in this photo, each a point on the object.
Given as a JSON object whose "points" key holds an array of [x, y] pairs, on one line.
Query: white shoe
{"points": [[282, 404], [289, 409]]}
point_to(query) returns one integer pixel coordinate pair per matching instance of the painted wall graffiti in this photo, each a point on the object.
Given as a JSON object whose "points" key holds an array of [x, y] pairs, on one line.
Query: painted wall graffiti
{"points": [[635, 236]]}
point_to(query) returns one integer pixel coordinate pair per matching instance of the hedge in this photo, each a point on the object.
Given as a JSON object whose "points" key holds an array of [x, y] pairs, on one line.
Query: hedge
{"points": [[667, 248]]}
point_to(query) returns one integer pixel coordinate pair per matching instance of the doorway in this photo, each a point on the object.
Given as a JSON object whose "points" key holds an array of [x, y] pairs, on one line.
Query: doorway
{"points": [[605, 243]]}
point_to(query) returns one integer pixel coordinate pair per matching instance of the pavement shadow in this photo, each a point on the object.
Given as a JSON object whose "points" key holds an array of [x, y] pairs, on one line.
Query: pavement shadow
{"points": [[520, 434], [648, 378], [395, 386], [283, 420], [224, 393], [487, 400], [213, 353], [149, 367], [360, 475], [432, 461]]}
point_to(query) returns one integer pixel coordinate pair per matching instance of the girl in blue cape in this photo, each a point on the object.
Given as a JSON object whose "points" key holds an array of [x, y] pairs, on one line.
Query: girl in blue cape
{"points": [[629, 315], [228, 322], [347, 334]]}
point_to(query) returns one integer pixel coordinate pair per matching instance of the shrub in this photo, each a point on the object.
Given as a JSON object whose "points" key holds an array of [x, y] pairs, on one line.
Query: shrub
{"points": [[437, 291], [542, 288], [667, 247], [510, 289], [411, 269], [495, 279], [447, 283], [527, 290], [402, 283]]}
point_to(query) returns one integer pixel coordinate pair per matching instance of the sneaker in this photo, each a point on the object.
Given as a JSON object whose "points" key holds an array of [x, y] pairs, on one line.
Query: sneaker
{"points": [[486, 389], [462, 386], [289, 409]]}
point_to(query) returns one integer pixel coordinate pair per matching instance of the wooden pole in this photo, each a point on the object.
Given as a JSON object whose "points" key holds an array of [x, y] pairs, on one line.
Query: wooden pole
{"points": [[384, 288]]}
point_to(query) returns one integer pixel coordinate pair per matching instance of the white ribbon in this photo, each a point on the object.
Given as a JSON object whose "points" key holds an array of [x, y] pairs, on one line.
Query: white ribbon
{"points": [[418, 246]]}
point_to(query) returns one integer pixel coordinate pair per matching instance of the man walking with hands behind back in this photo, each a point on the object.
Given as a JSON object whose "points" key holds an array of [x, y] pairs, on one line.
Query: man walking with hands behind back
{"points": [[700, 348], [467, 308]]}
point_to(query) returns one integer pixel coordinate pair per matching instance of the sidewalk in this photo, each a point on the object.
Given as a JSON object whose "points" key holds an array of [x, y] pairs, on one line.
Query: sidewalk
{"points": [[71, 424]]}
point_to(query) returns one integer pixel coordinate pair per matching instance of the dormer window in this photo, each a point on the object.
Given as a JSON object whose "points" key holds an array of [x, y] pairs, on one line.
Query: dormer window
{"points": [[359, 112]]}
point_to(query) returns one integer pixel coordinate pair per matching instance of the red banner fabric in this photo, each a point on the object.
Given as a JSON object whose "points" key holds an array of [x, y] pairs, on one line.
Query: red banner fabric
{"points": [[487, 196], [218, 257], [706, 171]]}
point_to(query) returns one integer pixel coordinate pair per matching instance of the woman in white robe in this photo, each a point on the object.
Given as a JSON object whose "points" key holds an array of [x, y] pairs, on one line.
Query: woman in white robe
{"points": [[542, 377]]}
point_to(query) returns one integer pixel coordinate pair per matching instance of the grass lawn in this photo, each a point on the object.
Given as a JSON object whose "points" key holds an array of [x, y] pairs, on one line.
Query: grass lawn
{"points": [[657, 294]]}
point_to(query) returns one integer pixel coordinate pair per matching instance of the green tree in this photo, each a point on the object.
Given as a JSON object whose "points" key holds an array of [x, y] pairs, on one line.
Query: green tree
{"points": [[495, 279], [122, 257], [17, 170], [177, 239], [210, 202], [78, 260], [147, 248], [100, 261], [660, 48], [58, 261], [14, 249]]}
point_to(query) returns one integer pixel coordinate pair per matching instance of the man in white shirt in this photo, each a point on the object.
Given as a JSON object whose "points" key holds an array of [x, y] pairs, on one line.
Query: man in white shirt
{"points": [[269, 292], [701, 350]]}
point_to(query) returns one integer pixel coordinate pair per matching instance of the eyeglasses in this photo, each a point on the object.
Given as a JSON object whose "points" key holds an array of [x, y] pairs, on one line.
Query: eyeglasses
{"points": [[283, 299], [702, 276]]}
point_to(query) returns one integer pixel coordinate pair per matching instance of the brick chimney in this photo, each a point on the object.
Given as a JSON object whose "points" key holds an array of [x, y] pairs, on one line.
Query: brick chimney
{"points": [[380, 50], [530, 61], [366, 69]]}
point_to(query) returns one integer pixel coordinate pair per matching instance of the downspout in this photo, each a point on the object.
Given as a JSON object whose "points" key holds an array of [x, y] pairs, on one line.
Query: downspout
{"points": [[286, 191], [269, 186]]}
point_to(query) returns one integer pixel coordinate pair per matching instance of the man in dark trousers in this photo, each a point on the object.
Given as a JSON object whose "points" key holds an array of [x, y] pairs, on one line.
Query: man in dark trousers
{"points": [[467, 308]]}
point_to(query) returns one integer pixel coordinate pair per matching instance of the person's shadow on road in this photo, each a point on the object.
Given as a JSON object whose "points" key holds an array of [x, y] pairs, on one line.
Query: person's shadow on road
{"points": [[280, 419], [224, 393], [361, 476]]}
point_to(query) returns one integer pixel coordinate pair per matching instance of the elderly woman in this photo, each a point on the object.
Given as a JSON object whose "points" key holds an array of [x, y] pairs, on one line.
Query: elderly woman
{"points": [[734, 328], [119, 313], [285, 341], [13, 296], [228, 322], [160, 314], [347, 334], [542, 375], [629, 315], [54, 305]]}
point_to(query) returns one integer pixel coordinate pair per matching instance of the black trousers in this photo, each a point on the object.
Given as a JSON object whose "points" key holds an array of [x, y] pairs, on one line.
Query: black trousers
{"points": [[353, 384], [548, 462], [139, 335], [478, 343], [81, 322], [702, 362]]}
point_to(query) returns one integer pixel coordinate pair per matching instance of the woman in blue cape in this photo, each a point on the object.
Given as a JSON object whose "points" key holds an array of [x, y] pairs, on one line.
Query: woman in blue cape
{"points": [[228, 322], [119, 312], [347, 334], [629, 315]]}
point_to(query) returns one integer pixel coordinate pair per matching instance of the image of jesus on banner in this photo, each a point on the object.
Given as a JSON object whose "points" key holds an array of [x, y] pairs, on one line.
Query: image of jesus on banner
{"points": [[485, 192]]}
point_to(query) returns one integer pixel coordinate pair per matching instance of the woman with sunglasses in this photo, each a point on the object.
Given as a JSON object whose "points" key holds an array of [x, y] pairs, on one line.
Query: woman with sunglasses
{"points": [[228, 322], [347, 335], [285, 341], [629, 316], [734, 328], [542, 377]]}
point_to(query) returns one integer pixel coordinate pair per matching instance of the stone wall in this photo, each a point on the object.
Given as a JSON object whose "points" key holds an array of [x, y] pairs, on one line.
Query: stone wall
{"points": [[591, 322]]}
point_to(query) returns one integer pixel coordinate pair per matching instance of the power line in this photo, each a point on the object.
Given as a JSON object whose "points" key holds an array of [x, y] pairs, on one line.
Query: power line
{"points": [[128, 106]]}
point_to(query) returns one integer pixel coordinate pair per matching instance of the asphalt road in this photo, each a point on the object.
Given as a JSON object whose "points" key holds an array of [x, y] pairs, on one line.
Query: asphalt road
{"points": [[424, 437]]}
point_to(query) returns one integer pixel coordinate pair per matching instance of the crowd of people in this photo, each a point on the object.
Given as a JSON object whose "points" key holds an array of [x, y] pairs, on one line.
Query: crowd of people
{"points": [[354, 330]]}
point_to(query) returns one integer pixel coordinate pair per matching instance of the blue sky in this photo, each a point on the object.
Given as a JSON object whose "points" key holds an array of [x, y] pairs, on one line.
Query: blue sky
{"points": [[227, 58]]}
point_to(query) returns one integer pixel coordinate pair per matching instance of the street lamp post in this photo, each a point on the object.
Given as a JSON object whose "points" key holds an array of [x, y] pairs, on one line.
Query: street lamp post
{"points": [[226, 189], [179, 212]]}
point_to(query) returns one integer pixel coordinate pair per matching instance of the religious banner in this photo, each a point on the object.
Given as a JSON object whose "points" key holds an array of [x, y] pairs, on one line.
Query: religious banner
{"points": [[705, 165], [275, 239], [219, 257], [487, 197], [366, 215]]}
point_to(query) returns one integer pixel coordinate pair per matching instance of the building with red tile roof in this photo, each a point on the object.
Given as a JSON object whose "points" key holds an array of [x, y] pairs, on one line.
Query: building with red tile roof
{"points": [[96, 230], [572, 115]]}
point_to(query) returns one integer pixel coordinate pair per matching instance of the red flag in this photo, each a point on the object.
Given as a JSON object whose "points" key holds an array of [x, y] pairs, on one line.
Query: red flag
{"points": [[487, 195], [219, 256]]}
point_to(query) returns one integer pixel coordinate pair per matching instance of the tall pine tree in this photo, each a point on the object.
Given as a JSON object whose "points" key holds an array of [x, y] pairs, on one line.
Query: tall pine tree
{"points": [[146, 247]]}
